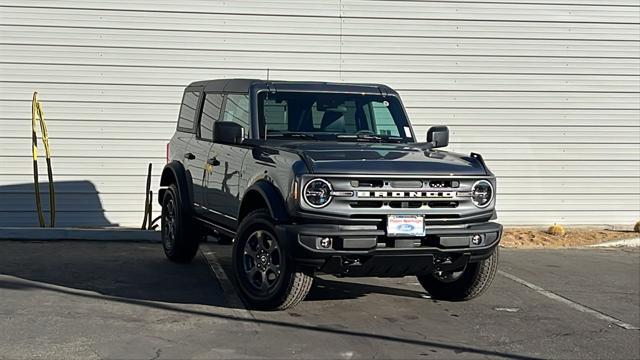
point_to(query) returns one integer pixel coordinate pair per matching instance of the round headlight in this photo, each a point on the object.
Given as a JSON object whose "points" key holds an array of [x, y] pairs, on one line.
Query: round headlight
{"points": [[317, 193], [482, 193]]}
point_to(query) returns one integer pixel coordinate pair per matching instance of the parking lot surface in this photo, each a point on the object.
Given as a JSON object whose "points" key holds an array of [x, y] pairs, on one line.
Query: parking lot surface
{"points": [[124, 300]]}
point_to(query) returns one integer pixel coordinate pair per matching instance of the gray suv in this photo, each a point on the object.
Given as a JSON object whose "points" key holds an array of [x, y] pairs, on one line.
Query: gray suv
{"points": [[313, 177]]}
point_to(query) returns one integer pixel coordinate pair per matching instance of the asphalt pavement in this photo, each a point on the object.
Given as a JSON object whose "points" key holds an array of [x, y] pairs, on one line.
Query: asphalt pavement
{"points": [[93, 300]]}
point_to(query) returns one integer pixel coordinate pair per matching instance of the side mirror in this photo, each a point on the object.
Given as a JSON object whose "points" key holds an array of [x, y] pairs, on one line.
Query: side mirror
{"points": [[438, 136], [227, 132]]}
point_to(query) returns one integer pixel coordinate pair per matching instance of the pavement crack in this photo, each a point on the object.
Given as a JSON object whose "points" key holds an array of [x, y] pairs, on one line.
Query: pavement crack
{"points": [[552, 336], [415, 332], [157, 356]]}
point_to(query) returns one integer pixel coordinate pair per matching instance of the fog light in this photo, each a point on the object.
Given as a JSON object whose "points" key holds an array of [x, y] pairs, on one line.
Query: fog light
{"points": [[326, 243], [476, 239]]}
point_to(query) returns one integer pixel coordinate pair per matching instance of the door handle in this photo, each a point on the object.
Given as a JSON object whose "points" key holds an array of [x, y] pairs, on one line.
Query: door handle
{"points": [[189, 156], [213, 161]]}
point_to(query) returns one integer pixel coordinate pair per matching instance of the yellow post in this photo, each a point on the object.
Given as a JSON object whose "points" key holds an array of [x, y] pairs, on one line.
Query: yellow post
{"points": [[37, 115]]}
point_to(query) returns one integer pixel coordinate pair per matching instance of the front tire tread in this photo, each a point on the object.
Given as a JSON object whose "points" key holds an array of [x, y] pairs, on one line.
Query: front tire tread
{"points": [[475, 280], [298, 282]]}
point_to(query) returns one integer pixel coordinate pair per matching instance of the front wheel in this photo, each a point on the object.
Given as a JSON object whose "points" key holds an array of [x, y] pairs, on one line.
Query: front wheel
{"points": [[266, 278], [463, 285]]}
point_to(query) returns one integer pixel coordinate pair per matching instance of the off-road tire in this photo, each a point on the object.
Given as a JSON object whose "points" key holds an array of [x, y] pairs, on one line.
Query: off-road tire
{"points": [[475, 280], [180, 243], [292, 285]]}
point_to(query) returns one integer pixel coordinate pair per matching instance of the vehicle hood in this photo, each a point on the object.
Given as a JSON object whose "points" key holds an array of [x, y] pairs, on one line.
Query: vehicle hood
{"points": [[324, 157]]}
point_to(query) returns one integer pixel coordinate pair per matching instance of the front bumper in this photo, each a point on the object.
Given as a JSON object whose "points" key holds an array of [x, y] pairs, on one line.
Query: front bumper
{"points": [[365, 250]]}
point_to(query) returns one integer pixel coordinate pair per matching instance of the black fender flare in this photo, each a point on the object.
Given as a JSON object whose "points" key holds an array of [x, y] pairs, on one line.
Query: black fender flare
{"points": [[272, 198], [175, 173]]}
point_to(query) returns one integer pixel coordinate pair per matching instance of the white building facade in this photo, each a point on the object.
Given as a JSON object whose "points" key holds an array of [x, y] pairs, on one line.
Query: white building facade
{"points": [[547, 90]]}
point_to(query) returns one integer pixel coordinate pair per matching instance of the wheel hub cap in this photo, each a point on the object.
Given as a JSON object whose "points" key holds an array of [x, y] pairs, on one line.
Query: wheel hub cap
{"points": [[169, 224], [262, 260]]}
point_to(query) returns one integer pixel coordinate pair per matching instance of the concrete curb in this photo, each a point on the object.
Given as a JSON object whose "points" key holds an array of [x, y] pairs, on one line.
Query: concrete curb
{"points": [[634, 242], [49, 234]]}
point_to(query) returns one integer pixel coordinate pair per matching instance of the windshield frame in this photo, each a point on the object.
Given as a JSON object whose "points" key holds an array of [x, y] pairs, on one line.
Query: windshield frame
{"points": [[261, 131]]}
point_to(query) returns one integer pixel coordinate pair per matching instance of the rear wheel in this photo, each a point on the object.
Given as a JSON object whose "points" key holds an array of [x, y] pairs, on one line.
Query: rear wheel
{"points": [[266, 278], [179, 237], [462, 285]]}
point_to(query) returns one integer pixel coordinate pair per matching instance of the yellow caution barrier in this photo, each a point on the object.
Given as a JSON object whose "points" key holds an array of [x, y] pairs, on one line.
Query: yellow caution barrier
{"points": [[37, 115]]}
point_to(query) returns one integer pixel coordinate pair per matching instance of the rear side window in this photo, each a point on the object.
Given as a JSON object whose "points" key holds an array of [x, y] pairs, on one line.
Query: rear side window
{"points": [[187, 116], [236, 109], [210, 114]]}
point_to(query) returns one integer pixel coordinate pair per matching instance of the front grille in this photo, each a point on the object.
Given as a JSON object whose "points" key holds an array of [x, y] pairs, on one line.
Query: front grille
{"points": [[441, 200], [406, 184], [402, 194], [441, 184], [367, 183], [365, 204], [406, 204], [403, 204], [443, 204]]}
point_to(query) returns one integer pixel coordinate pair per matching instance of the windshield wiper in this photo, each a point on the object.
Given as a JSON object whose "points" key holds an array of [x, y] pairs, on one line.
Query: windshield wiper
{"points": [[290, 134], [370, 137]]}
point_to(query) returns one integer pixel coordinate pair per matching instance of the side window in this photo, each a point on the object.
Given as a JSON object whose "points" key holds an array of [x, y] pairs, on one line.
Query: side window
{"points": [[187, 115], [236, 109], [210, 114]]}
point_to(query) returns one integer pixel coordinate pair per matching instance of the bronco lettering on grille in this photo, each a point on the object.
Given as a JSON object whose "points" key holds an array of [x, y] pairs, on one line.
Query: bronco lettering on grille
{"points": [[405, 194]]}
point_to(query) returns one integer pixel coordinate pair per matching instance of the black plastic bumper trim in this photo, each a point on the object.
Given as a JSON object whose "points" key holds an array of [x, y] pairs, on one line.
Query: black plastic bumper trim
{"points": [[398, 261]]}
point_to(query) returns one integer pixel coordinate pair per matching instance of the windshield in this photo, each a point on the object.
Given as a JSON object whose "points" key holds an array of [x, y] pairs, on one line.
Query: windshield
{"points": [[322, 116]]}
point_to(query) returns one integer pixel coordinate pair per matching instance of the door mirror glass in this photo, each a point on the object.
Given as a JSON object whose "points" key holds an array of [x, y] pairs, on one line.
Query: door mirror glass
{"points": [[226, 132], [438, 136]]}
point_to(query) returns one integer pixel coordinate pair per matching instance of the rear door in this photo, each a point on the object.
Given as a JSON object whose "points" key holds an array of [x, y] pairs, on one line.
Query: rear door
{"points": [[186, 129], [195, 154]]}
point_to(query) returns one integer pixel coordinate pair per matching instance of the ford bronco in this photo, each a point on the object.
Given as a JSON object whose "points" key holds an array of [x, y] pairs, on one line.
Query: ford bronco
{"points": [[312, 177]]}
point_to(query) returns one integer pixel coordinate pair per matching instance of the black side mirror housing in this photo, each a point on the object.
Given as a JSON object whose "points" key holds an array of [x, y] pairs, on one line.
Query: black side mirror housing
{"points": [[227, 132], [438, 136]]}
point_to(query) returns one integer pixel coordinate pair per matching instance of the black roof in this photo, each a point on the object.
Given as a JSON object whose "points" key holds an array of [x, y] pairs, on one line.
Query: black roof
{"points": [[243, 86]]}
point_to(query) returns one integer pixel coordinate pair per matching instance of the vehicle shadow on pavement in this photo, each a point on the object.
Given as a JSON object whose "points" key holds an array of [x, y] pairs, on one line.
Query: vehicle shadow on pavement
{"points": [[137, 274], [327, 289], [324, 288], [135, 271], [29, 285]]}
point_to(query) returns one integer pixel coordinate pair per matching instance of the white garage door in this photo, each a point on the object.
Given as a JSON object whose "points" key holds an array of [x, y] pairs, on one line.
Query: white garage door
{"points": [[547, 90]]}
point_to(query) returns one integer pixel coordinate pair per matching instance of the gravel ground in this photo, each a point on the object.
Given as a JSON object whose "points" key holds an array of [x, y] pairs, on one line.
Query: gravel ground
{"points": [[537, 238]]}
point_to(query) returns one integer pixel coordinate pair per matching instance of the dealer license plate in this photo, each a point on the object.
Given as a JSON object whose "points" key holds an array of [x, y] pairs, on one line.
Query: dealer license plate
{"points": [[405, 225]]}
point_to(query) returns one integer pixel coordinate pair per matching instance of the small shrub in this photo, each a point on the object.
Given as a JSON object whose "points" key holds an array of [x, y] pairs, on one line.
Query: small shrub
{"points": [[557, 230], [637, 227]]}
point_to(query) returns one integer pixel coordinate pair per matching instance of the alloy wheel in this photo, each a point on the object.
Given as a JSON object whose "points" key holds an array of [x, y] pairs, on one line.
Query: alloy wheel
{"points": [[169, 224], [262, 261]]}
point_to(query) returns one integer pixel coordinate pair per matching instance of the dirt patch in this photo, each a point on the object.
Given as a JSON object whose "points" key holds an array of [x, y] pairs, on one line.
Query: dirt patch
{"points": [[532, 238]]}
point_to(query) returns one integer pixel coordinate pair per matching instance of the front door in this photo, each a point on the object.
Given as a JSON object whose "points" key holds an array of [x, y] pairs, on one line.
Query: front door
{"points": [[223, 187]]}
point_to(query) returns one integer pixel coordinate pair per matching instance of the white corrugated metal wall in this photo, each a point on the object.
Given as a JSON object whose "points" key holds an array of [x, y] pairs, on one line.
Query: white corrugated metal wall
{"points": [[547, 90]]}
